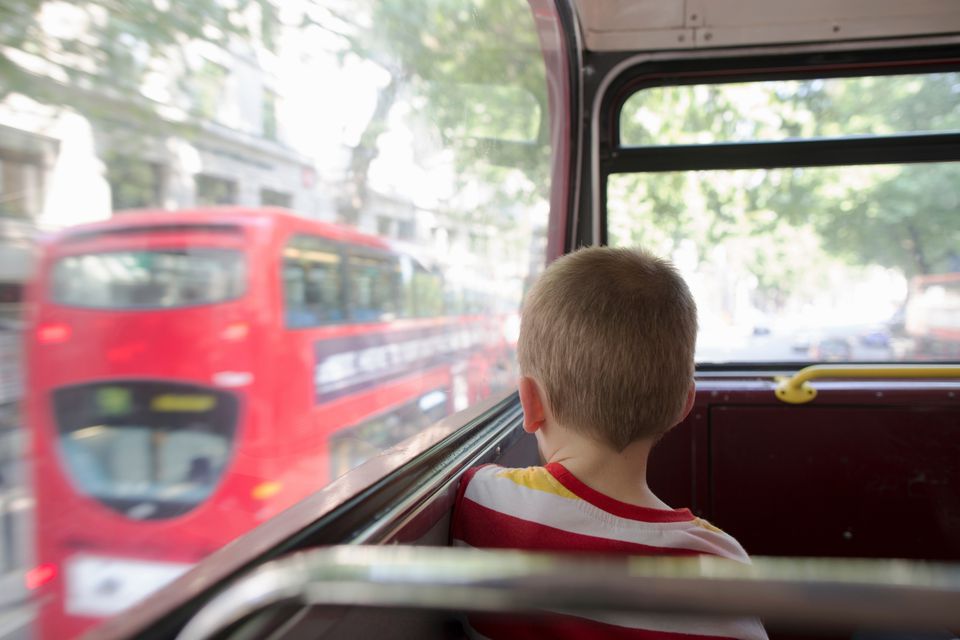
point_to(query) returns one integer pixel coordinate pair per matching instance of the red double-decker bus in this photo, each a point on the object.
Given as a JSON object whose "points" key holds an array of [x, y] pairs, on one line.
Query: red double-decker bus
{"points": [[191, 374]]}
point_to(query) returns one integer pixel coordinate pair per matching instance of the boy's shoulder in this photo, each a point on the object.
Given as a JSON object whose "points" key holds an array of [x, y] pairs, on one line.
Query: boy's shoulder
{"points": [[493, 477], [537, 493]]}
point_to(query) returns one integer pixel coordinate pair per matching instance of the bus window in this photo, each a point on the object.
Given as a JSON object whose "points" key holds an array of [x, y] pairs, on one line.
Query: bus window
{"points": [[312, 282], [159, 278], [292, 158], [372, 291], [358, 444], [425, 294], [797, 254], [783, 109]]}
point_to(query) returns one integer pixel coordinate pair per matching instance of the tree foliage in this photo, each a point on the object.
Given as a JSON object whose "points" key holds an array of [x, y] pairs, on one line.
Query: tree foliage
{"points": [[474, 69], [473, 73], [895, 216], [82, 53]]}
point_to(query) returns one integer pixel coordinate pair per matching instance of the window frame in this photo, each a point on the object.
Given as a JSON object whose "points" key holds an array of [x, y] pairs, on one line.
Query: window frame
{"points": [[388, 494], [619, 76], [622, 75]]}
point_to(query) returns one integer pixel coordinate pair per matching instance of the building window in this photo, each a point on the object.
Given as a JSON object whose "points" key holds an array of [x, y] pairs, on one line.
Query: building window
{"points": [[21, 184], [269, 25], [269, 115], [406, 230], [271, 198], [134, 183], [478, 243], [209, 85], [213, 190], [384, 225]]}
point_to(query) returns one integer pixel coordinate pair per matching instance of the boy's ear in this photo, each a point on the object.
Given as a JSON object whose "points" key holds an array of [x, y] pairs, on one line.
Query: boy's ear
{"points": [[534, 410], [691, 398]]}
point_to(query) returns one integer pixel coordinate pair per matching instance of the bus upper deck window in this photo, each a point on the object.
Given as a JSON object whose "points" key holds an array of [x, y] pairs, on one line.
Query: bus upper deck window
{"points": [[822, 261], [312, 282], [182, 393], [155, 278]]}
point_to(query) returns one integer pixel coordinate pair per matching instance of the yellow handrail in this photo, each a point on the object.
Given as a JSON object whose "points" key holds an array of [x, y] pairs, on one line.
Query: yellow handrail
{"points": [[797, 390]]}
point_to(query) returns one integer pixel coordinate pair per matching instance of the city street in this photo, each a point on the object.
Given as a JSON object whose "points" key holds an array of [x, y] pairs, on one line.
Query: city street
{"points": [[795, 346]]}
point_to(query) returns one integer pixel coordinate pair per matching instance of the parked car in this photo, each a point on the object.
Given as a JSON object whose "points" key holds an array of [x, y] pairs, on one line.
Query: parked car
{"points": [[831, 349], [876, 337], [802, 341]]}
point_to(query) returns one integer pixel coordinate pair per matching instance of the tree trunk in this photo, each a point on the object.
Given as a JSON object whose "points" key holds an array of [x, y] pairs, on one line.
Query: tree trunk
{"points": [[353, 199], [915, 247]]}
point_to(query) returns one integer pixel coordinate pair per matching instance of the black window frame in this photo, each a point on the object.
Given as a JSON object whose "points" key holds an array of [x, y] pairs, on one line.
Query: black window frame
{"points": [[614, 157]]}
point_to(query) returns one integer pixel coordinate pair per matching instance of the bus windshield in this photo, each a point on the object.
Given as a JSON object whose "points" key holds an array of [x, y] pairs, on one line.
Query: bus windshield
{"points": [[157, 278], [146, 450]]}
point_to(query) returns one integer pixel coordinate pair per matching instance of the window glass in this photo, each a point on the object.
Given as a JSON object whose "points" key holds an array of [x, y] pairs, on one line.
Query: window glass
{"points": [[271, 198], [427, 293], [209, 82], [21, 184], [372, 293], [215, 190], [153, 279], [384, 169], [269, 118], [134, 183], [312, 281], [781, 109], [805, 264], [147, 450], [358, 444]]}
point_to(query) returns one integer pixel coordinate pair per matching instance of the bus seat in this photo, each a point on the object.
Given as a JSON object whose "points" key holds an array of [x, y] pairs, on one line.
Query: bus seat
{"points": [[291, 597]]}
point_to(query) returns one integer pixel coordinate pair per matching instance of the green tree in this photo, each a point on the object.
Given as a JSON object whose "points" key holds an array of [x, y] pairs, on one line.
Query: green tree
{"points": [[475, 71], [900, 216], [896, 216], [98, 64]]}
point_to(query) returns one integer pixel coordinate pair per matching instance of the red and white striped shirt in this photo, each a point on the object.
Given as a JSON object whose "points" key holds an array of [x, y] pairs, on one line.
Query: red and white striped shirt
{"points": [[548, 509]]}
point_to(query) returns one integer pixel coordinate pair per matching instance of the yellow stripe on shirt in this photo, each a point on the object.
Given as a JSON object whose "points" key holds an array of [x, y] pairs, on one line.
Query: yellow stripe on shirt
{"points": [[700, 522], [538, 479]]}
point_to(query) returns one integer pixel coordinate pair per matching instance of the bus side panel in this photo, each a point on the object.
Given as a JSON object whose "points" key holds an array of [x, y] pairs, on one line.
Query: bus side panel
{"points": [[868, 479], [671, 472]]}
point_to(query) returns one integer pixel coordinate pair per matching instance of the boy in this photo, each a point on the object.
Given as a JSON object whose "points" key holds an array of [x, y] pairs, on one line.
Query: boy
{"points": [[606, 357]]}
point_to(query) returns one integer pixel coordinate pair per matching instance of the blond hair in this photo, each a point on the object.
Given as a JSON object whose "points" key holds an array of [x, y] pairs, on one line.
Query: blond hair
{"points": [[609, 335]]}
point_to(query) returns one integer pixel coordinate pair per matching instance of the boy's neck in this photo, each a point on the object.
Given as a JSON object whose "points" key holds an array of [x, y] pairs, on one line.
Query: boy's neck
{"points": [[618, 475]]}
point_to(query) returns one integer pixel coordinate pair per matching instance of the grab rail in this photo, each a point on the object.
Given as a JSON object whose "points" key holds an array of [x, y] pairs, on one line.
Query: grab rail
{"points": [[797, 390], [875, 593]]}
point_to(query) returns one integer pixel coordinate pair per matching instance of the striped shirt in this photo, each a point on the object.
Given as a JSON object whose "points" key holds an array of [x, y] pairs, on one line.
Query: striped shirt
{"points": [[548, 509]]}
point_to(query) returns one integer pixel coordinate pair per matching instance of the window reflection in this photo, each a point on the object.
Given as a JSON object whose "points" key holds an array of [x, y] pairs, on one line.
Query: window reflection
{"points": [[412, 143]]}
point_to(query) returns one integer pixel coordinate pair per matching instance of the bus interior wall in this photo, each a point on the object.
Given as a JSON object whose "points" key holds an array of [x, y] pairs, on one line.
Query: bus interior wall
{"points": [[866, 473]]}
